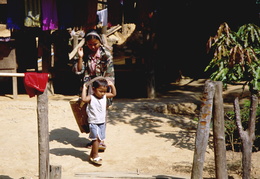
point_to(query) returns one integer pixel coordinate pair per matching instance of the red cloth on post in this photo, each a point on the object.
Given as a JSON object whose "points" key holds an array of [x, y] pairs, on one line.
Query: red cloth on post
{"points": [[34, 82]]}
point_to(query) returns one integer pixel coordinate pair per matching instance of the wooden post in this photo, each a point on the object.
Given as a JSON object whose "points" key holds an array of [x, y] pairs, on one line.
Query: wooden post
{"points": [[203, 129], [219, 134], [43, 135], [55, 172], [45, 171], [15, 91]]}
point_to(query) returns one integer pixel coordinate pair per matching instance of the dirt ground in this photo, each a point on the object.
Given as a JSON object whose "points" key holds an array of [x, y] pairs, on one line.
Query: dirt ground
{"points": [[140, 142]]}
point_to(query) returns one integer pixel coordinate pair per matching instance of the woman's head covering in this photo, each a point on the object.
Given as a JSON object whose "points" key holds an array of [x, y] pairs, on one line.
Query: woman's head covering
{"points": [[93, 33]]}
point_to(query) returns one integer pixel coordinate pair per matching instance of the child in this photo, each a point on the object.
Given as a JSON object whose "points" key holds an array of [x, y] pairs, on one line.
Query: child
{"points": [[96, 111]]}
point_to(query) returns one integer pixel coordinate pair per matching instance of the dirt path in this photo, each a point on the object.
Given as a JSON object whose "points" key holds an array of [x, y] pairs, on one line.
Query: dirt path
{"points": [[141, 142]]}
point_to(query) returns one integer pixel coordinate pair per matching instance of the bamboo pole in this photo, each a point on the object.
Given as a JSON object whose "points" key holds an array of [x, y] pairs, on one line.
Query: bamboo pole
{"points": [[12, 74]]}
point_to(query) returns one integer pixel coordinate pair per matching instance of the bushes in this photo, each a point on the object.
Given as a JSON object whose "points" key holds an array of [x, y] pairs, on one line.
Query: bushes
{"points": [[233, 141]]}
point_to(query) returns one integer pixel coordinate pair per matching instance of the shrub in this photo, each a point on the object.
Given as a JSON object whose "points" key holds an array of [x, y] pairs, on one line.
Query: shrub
{"points": [[233, 140]]}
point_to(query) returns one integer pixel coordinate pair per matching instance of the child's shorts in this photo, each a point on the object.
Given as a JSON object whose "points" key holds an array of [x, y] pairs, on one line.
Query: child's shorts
{"points": [[97, 131]]}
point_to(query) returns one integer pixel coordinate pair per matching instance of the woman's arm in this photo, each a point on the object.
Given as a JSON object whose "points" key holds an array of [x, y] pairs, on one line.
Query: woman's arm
{"points": [[79, 65], [80, 60]]}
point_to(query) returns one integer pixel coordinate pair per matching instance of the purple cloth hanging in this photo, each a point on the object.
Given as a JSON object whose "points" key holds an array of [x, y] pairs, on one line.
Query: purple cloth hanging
{"points": [[49, 15]]}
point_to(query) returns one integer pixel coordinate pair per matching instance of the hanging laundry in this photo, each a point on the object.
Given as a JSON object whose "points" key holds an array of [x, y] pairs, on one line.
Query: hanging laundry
{"points": [[49, 15], [102, 17], [32, 13], [35, 82]]}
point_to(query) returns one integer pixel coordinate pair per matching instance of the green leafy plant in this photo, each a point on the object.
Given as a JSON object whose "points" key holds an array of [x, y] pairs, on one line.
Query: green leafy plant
{"points": [[232, 136], [236, 59], [236, 56]]}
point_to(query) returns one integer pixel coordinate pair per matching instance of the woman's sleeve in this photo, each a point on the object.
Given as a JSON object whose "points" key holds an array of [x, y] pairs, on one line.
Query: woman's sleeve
{"points": [[110, 72], [75, 69]]}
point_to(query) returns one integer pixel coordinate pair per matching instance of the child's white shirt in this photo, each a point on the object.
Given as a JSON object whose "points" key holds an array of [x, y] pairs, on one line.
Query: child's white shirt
{"points": [[96, 110]]}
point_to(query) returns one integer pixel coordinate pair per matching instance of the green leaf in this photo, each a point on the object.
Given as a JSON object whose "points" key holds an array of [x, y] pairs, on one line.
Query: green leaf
{"points": [[236, 55]]}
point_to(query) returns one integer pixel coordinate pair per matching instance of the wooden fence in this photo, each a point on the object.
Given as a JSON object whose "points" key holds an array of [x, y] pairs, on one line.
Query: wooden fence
{"points": [[212, 105]]}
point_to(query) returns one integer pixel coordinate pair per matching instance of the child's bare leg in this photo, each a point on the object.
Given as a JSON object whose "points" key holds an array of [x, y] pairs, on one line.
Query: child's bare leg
{"points": [[102, 145], [94, 158], [94, 150]]}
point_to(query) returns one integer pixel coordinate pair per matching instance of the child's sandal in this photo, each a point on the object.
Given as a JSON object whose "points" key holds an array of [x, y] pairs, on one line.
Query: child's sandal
{"points": [[97, 160]]}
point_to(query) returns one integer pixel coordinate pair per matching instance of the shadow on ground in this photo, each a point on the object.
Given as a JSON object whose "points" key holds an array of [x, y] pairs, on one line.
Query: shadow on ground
{"points": [[69, 137]]}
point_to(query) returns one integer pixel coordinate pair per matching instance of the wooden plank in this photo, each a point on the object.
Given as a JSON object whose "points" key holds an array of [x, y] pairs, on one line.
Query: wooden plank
{"points": [[75, 50], [9, 59], [6, 69], [113, 30], [8, 64]]}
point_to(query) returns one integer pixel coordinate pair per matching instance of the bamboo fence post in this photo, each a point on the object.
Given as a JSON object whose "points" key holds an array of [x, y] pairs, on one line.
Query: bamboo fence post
{"points": [[203, 129]]}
